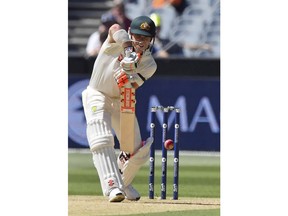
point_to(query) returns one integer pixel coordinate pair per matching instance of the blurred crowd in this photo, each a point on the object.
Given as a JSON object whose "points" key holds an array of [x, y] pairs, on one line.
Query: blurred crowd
{"points": [[167, 15]]}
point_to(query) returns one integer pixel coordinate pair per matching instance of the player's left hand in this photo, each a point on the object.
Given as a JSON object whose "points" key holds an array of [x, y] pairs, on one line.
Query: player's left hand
{"points": [[130, 62]]}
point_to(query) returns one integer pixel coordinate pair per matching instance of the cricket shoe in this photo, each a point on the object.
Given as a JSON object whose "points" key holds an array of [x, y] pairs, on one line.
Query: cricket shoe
{"points": [[116, 195], [131, 193]]}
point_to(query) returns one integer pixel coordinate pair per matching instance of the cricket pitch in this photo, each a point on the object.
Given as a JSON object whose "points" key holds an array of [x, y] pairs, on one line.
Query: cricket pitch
{"points": [[98, 205]]}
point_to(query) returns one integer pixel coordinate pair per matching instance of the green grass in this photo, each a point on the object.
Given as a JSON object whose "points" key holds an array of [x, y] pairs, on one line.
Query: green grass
{"points": [[199, 176]]}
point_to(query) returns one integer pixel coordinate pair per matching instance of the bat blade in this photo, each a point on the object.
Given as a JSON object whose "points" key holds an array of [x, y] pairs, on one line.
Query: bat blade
{"points": [[127, 119]]}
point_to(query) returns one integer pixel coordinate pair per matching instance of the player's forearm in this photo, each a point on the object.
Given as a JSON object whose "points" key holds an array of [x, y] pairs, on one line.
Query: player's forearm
{"points": [[120, 36]]}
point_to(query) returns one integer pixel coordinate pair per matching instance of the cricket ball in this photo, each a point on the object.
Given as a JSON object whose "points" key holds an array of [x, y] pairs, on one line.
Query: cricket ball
{"points": [[169, 144]]}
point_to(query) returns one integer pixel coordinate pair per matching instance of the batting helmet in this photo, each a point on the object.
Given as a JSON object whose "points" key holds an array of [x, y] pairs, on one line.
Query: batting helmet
{"points": [[143, 25]]}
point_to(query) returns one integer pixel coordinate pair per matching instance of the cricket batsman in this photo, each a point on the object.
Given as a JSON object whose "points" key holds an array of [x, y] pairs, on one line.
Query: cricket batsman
{"points": [[124, 58]]}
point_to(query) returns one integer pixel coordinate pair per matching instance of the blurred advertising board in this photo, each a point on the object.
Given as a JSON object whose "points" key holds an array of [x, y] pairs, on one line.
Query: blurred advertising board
{"points": [[197, 98]]}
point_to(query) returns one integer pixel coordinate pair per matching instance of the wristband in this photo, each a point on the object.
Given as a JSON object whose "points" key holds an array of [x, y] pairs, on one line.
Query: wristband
{"points": [[137, 78]]}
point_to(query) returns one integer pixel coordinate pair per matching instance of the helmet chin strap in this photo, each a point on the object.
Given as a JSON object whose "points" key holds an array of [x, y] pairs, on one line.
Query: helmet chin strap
{"points": [[151, 46]]}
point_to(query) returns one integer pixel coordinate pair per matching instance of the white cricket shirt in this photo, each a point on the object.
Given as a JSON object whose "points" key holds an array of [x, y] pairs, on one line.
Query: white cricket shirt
{"points": [[107, 63]]}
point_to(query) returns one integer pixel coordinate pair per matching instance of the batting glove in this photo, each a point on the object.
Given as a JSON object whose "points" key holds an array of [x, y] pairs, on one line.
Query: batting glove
{"points": [[130, 62], [121, 77]]}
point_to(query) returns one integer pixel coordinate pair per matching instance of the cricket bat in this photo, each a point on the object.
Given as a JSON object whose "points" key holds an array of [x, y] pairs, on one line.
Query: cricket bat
{"points": [[127, 119]]}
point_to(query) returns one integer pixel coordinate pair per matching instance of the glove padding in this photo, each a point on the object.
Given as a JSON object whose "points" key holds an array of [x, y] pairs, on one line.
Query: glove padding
{"points": [[130, 62], [121, 77]]}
